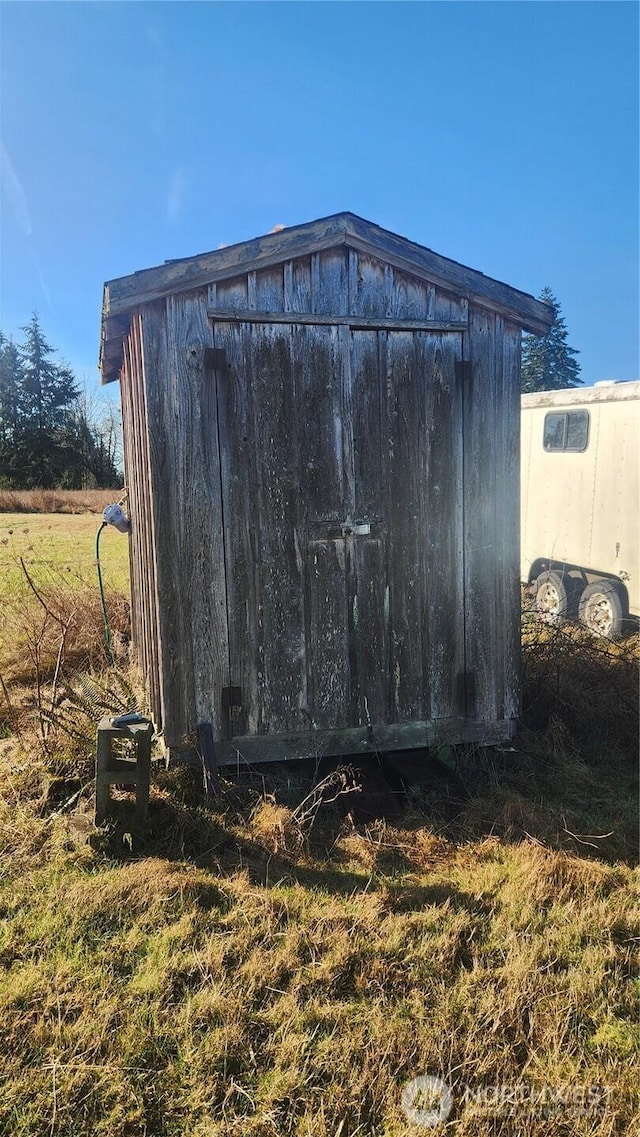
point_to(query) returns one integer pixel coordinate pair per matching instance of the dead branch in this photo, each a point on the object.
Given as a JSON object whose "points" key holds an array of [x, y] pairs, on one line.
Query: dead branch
{"points": [[341, 781]]}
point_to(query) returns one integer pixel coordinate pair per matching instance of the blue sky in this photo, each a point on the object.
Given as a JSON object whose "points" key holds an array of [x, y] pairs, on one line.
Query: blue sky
{"points": [[503, 135]]}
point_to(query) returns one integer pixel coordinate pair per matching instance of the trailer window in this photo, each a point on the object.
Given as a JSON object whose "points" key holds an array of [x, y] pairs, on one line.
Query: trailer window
{"points": [[568, 430]]}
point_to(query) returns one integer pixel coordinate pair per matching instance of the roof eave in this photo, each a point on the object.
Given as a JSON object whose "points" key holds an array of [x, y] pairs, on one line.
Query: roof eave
{"points": [[124, 294]]}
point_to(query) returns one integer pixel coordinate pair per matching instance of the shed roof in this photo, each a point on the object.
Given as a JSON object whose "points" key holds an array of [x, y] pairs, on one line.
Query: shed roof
{"points": [[123, 295]]}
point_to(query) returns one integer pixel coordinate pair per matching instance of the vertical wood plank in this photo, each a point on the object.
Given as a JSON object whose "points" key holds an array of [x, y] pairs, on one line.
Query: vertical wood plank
{"points": [[446, 306], [301, 298], [202, 546], [431, 301], [318, 365], [388, 290], [370, 630], [319, 381], [367, 444], [482, 570], [288, 287], [315, 282], [232, 294], [409, 297], [353, 281], [187, 514], [508, 482], [149, 598], [143, 543], [331, 289], [281, 554], [500, 501], [406, 475], [368, 289], [137, 514], [132, 487], [252, 300], [344, 380], [443, 578], [242, 526], [328, 642], [178, 696], [269, 294]]}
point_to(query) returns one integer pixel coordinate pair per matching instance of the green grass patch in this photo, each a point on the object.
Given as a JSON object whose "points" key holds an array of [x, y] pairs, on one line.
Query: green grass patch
{"points": [[59, 549]]}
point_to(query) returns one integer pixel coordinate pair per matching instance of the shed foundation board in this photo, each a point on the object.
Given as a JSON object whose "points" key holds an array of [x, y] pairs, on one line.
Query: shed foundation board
{"points": [[252, 749]]}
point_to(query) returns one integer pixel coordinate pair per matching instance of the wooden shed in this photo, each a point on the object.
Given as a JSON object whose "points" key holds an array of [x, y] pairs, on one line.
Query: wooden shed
{"points": [[321, 443]]}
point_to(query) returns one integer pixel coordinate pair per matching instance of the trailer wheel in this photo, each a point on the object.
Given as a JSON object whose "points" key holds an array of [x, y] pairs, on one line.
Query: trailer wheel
{"points": [[554, 597], [601, 609]]}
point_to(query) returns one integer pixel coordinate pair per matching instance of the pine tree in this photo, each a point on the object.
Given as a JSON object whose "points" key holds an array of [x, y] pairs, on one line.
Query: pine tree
{"points": [[548, 362], [10, 385], [50, 435], [48, 392]]}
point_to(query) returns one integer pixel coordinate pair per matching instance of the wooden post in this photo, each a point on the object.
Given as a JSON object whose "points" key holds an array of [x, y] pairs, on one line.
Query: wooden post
{"points": [[103, 761]]}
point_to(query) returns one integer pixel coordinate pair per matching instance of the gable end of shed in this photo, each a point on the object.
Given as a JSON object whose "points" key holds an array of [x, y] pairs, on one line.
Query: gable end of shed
{"points": [[338, 266]]}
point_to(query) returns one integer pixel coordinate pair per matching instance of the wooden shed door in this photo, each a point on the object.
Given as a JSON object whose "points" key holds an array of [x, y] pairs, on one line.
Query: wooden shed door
{"points": [[341, 456]]}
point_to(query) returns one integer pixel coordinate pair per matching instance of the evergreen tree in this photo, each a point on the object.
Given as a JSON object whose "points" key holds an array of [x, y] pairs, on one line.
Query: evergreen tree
{"points": [[47, 397], [49, 434], [548, 362], [10, 385]]}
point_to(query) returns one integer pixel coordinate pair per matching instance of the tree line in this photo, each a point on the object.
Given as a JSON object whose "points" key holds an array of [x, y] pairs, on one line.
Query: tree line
{"points": [[50, 435]]}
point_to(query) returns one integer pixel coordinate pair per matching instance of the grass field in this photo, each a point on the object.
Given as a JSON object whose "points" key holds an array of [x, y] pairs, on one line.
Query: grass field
{"points": [[59, 548], [237, 972], [57, 553]]}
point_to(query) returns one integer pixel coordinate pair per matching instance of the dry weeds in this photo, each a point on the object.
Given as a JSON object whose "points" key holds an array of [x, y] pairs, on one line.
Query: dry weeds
{"points": [[56, 501], [236, 973]]}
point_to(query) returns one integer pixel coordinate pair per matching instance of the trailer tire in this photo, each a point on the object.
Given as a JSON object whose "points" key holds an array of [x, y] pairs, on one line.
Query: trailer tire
{"points": [[601, 609], [555, 597]]}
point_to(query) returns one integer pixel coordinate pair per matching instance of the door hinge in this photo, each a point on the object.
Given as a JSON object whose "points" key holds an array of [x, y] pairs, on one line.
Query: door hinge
{"points": [[231, 699], [463, 370], [466, 692], [231, 709], [215, 359]]}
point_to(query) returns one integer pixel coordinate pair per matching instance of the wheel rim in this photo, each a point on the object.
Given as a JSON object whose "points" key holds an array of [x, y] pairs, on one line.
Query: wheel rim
{"points": [[598, 614], [548, 602]]}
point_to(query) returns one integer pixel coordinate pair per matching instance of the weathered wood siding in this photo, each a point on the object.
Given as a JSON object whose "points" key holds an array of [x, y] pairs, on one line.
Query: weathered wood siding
{"points": [[142, 544], [330, 522], [336, 283], [320, 428], [491, 512], [184, 471]]}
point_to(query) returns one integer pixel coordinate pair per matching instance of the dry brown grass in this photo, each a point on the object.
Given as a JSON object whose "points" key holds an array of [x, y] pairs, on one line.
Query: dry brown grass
{"points": [[589, 682], [32, 634], [51, 615], [56, 501], [268, 992]]}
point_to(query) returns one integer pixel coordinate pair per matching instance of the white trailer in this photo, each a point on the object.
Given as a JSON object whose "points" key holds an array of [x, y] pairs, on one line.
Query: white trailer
{"points": [[580, 482]]}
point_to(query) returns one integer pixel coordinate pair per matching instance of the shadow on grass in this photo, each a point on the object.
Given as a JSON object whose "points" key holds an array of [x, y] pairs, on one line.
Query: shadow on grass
{"points": [[569, 782]]}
